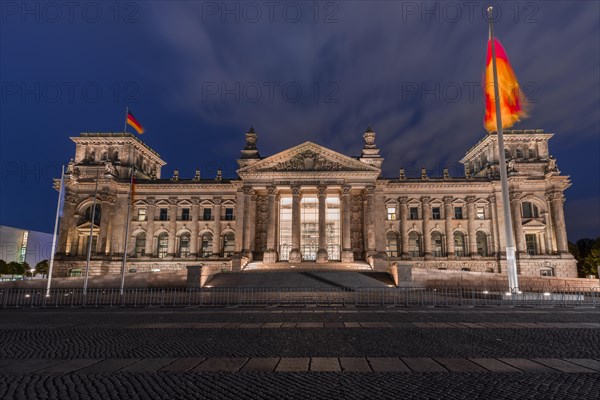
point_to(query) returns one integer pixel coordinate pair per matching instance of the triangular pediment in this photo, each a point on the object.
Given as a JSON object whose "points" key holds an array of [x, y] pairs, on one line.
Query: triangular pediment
{"points": [[534, 224], [307, 157], [85, 227]]}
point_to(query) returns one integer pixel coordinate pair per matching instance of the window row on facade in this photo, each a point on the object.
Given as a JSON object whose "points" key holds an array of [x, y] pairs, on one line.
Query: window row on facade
{"points": [[459, 244], [206, 245], [528, 210], [184, 214], [415, 247]]}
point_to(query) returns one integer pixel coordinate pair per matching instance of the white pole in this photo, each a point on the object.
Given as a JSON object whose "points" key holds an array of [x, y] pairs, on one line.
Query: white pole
{"points": [[58, 207], [126, 114], [89, 250], [511, 262], [127, 228]]}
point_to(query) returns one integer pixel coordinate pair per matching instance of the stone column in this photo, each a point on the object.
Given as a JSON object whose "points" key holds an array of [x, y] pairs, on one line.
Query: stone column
{"points": [[171, 250], [471, 225], [217, 226], [369, 220], [67, 226], [270, 255], [322, 252], [110, 229], [194, 245], [252, 221], [347, 253], [448, 225], [558, 218], [150, 214], [295, 254], [248, 192], [239, 220], [495, 227], [552, 249], [120, 210], [515, 205], [403, 201], [426, 217], [105, 214]]}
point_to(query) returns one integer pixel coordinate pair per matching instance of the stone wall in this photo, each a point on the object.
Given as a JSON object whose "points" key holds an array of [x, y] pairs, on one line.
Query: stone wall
{"points": [[562, 266], [489, 281]]}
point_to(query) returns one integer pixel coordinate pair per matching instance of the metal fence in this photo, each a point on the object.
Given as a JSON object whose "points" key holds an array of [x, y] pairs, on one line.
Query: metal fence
{"points": [[223, 297]]}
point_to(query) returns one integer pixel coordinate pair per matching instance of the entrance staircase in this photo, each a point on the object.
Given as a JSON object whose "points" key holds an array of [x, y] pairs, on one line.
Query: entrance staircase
{"points": [[303, 275]]}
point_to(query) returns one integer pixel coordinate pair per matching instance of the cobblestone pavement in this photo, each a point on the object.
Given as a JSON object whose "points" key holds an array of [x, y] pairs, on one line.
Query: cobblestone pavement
{"points": [[291, 353]]}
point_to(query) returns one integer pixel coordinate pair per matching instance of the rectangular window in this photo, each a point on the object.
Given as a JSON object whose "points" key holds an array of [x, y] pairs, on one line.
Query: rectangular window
{"points": [[414, 213], [436, 213], [229, 214], [458, 214], [547, 272], [207, 214], [141, 214], [480, 213], [163, 214], [185, 214], [391, 213], [532, 245]]}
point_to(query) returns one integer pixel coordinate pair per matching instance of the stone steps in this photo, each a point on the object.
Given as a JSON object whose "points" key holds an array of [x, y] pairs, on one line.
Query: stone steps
{"points": [[301, 279]]}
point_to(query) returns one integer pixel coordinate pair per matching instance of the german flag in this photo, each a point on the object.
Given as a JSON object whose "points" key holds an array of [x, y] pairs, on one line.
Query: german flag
{"points": [[511, 97], [134, 123]]}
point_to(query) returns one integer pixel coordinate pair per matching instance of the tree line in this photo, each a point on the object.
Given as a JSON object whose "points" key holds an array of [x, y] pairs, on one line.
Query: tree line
{"points": [[587, 254], [15, 268]]}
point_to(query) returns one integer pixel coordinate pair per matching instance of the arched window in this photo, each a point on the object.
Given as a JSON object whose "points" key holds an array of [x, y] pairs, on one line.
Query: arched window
{"points": [[437, 244], [184, 245], [163, 244], [207, 245], [391, 244], [140, 245], [530, 210], [228, 244], [104, 155], [115, 156], [519, 153], [92, 155], [414, 244], [531, 153], [459, 244], [87, 217], [482, 244], [507, 153]]}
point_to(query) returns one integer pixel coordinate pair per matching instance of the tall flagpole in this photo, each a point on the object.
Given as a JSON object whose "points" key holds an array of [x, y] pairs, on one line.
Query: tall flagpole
{"points": [[58, 208], [511, 262], [89, 250], [126, 114], [127, 231], [124, 262]]}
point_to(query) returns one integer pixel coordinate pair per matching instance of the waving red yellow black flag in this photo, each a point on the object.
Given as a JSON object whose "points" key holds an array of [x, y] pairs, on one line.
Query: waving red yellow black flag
{"points": [[511, 97], [131, 121]]}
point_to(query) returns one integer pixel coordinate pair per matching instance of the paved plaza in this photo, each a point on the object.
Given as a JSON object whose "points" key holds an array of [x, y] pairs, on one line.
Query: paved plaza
{"points": [[304, 352]]}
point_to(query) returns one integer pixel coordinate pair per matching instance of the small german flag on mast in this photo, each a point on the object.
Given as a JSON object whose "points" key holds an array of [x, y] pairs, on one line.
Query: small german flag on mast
{"points": [[134, 123]]}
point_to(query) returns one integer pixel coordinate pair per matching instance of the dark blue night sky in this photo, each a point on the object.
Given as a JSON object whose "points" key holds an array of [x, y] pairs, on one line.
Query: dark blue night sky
{"points": [[198, 74]]}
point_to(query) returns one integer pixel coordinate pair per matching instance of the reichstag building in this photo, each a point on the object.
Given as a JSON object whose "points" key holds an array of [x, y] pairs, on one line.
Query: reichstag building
{"points": [[310, 204]]}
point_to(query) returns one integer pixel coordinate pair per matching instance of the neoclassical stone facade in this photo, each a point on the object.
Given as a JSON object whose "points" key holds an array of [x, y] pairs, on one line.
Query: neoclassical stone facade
{"points": [[311, 204]]}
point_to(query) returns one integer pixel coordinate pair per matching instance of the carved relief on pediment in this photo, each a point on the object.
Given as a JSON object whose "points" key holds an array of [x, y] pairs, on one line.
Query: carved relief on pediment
{"points": [[308, 160]]}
